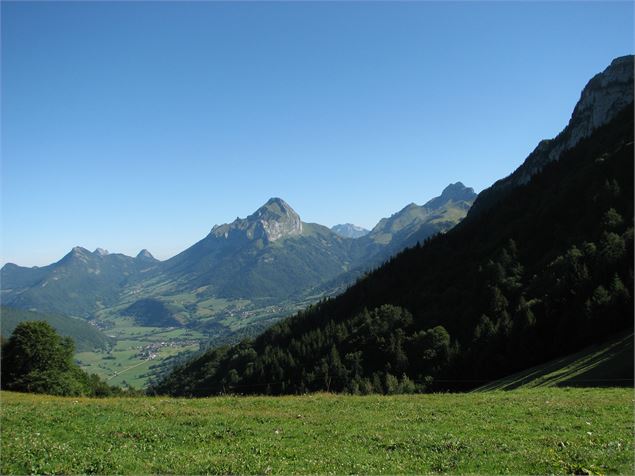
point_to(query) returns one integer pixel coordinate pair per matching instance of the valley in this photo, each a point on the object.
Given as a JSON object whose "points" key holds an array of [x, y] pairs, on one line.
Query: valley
{"points": [[238, 280], [316, 292]]}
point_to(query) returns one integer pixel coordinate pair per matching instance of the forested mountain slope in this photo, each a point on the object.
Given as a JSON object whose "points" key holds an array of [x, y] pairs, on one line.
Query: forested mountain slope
{"points": [[539, 273]]}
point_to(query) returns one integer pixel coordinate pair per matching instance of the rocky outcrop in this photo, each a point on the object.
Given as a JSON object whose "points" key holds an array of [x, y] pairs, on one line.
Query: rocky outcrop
{"points": [[604, 96], [271, 222]]}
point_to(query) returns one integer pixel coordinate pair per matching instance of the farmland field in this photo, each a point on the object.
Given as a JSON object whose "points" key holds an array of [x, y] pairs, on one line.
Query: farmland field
{"points": [[137, 349], [527, 431]]}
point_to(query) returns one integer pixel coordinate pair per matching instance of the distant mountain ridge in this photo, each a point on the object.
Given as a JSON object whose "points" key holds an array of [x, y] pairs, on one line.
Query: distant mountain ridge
{"points": [[269, 257], [75, 285], [348, 230], [414, 223]]}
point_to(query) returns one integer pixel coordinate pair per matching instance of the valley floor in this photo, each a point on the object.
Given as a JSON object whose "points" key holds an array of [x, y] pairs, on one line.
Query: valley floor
{"points": [[534, 431]]}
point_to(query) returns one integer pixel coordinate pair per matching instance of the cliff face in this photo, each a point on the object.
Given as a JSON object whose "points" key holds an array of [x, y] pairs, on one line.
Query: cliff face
{"points": [[274, 220], [604, 96]]}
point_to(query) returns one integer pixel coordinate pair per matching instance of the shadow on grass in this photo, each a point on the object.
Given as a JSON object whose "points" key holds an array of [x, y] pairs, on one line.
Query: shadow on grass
{"points": [[605, 365]]}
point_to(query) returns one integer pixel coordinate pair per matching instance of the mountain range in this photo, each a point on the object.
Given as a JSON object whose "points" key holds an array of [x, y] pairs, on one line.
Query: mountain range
{"points": [[541, 266], [462, 289], [272, 259]]}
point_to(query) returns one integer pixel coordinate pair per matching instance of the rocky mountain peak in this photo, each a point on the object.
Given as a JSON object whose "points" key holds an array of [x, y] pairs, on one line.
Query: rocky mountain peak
{"points": [[272, 221], [606, 94], [277, 219], [100, 252], [601, 100]]}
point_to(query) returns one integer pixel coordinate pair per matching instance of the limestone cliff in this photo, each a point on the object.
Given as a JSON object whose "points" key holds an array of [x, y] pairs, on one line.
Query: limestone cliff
{"points": [[604, 96]]}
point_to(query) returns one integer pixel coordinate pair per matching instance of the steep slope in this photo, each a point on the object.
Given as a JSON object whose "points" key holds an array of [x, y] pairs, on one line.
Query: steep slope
{"points": [[86, 336], [348, 230], [76, 285], [546, 271], [604, 96]]}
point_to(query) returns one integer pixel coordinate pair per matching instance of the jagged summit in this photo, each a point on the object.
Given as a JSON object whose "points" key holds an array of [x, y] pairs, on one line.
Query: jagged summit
{"points": [[100, 252], [272, 221]]}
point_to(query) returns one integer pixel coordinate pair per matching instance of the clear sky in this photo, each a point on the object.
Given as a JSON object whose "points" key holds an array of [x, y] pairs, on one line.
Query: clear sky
{"points": [[134, 125]]}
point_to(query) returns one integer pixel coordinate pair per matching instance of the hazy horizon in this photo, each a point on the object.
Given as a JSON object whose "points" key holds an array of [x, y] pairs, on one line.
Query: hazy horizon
{"points": [[141, 125]]}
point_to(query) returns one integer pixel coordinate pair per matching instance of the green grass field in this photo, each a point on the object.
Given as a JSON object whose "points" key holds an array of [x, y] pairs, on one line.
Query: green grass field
{"points": [[128, 362], [534, 431]]}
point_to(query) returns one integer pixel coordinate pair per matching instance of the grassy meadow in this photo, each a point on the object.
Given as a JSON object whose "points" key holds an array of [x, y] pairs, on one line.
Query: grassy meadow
{"points": [[526, 431]]}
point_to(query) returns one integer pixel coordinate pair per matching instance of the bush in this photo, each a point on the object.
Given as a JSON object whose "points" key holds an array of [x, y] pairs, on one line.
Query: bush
{"points": [[36, 359]]}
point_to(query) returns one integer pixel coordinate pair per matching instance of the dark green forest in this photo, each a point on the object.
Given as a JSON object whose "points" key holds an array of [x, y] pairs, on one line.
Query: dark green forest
{"points": [[540, 273]]}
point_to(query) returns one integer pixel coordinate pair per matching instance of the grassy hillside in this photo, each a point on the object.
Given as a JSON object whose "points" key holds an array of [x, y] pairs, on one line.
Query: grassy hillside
{"points": [[87, 338], [537, 431], [604, 365]]}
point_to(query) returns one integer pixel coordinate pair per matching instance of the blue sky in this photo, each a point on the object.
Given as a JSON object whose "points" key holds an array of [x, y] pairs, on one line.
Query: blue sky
{"points": [[134, 125]]}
